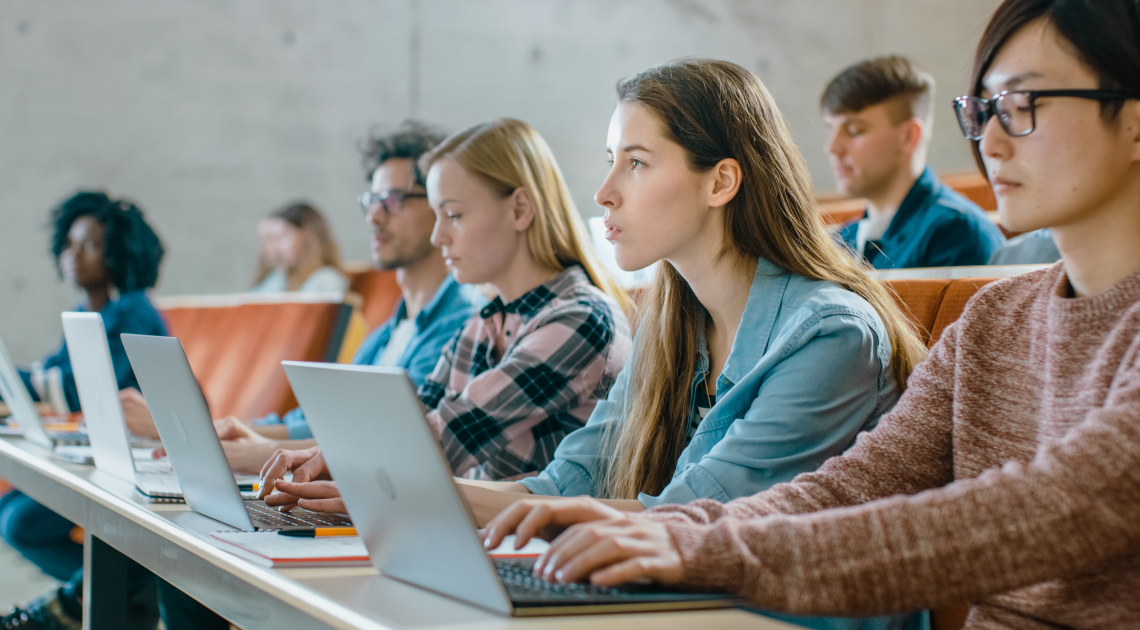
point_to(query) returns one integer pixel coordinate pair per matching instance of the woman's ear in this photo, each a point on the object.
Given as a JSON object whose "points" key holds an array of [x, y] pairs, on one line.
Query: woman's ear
{"points": [[522, 209], [726, 178]]}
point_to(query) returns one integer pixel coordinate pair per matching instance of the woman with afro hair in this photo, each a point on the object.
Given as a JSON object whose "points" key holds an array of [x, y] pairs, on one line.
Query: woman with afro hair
{"points": [[106, 249]]}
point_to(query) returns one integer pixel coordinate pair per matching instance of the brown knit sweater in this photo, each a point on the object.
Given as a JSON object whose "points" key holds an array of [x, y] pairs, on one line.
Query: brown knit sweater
{"points": [[1007, 475]]}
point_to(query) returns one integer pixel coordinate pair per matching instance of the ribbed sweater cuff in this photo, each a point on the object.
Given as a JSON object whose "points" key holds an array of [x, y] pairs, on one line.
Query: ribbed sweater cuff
{"points": [[706, 561]]}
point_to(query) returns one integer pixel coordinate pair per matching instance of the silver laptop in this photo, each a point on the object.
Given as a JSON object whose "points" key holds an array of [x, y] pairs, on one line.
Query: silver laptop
{"points": [[111, 447], [397, 485], [24, 410], [187, 430]]}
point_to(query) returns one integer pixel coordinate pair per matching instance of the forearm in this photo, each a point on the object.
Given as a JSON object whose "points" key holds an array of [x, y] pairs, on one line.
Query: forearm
{"points": [[275, 432], [1069, 511]]}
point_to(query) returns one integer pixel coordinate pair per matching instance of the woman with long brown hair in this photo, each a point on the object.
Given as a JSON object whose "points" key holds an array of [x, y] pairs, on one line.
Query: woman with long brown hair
{"points": [[1006, 476], [297, 252]]}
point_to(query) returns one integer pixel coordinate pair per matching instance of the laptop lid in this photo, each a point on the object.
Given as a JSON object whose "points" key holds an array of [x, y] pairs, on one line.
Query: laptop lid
{"points": [[186, 427], [20, 403], [99, 393], [394, 479]]}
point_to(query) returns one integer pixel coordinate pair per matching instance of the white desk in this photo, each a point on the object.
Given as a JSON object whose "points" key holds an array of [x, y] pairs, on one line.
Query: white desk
{"points": [[172, 541]]}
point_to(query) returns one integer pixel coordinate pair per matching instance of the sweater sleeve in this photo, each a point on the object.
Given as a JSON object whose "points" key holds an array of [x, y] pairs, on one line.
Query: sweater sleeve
{"points": [[909, 451], [1073, 507]]}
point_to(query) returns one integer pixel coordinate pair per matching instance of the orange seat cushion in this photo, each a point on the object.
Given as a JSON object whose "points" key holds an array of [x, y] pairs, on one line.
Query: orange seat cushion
{"points": [[953, 302], [380, 292], [919, 299], [236, 351]]}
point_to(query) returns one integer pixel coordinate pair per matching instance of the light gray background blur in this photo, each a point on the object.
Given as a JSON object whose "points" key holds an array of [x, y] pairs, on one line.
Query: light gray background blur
{"points": [[212, 113]]}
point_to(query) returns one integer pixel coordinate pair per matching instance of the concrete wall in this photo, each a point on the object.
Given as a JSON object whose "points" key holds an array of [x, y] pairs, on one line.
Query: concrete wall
{"points": [[212, 113]]}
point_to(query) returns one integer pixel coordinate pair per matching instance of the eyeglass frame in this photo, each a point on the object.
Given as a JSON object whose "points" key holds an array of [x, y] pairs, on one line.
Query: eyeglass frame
{"points": [[991, 110], [369, 199]]}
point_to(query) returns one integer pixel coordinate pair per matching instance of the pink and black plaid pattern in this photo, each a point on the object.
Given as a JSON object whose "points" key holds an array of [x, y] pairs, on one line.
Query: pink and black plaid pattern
{"points": [[521, 376]]}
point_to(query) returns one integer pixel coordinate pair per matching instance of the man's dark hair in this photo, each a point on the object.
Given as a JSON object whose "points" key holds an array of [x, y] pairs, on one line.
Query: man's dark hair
{"points": [[1104, 35], [878, 80], [132, 252], [410, 141]]}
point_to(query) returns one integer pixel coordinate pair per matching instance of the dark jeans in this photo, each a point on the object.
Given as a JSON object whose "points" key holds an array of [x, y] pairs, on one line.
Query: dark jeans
{"points": [[43, 537], [40, 535]]}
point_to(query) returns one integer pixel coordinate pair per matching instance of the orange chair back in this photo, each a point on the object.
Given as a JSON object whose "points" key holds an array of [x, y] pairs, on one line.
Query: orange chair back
{"points": [[379, 291], [236, 351]]}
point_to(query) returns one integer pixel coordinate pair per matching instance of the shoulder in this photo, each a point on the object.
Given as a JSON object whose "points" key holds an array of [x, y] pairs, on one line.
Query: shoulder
{"points": [[948, 208], [325, 279], [582, 301], [1009, 300], [133, 312], [823, 299]]}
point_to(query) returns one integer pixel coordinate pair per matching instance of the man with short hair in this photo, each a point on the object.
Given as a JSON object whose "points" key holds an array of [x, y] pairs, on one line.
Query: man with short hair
{"points": [[879, 113]]}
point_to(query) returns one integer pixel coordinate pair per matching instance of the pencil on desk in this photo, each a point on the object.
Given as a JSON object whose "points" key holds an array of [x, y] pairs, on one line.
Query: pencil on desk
{"points": [[319, 531]]}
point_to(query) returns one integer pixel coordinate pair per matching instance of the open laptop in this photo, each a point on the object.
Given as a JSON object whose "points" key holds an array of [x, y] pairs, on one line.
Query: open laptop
{"points": [[112, 445], [24, 410], [187, 430], [398, 486]]}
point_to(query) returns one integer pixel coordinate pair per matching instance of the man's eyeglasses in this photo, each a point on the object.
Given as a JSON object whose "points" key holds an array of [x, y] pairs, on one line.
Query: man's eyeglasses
{"points": [[1016, 110], [392, 201]]}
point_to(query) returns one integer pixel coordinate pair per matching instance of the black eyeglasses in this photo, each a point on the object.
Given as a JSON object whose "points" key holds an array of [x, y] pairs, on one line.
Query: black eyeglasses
{"points": [[1016, 110], [392, 201]]}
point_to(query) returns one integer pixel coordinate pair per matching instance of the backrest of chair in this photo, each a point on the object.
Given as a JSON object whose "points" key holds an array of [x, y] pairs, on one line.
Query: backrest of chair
{"points": [[379, 291], [919, 299], [972, 186], [236, 350]]}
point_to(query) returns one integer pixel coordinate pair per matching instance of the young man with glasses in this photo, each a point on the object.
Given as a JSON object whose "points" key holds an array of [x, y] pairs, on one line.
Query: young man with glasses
{"points": [[879, 114], [432, 308]]}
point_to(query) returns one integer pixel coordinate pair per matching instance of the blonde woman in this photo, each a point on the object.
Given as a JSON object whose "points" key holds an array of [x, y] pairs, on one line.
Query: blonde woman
{"points": [[297, 252], [530, 367]]}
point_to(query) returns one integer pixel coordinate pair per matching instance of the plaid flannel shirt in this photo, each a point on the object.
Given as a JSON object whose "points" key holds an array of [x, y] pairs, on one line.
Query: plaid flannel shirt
{"points": [[521, 376]]}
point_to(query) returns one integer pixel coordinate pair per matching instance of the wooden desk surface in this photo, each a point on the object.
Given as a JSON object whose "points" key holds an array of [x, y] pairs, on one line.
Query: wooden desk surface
{"points": [[174, 542]]}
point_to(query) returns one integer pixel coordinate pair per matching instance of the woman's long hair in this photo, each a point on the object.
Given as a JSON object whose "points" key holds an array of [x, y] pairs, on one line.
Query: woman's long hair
{"points": [[717, 110], [508, 154]]}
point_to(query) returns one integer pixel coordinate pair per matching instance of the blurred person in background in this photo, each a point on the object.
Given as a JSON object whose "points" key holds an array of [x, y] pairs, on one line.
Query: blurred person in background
{"points": [[297, 252]]}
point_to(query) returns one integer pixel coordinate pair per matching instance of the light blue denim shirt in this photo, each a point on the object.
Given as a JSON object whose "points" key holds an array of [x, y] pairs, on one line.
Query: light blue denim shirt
{"points": [[809, 369]]}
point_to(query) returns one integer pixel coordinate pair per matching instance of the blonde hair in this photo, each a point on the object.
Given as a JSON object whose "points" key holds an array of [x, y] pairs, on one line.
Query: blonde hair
{"points": [[508, 154], [716, 110]]}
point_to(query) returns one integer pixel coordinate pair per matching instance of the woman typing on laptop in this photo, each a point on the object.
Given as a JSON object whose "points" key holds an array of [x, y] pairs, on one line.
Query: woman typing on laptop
{"points": [[762, 348], [531, 366]]}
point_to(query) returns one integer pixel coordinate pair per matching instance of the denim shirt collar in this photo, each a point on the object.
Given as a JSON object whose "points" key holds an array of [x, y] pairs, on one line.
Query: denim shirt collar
{"points": [[754, 332]]}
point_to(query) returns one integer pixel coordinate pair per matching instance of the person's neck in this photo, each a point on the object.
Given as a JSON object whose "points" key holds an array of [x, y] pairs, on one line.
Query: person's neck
{"points": [[721, 284], [887, 200], [420, 281], [1102, 250], [98, 296], [521, 274]]}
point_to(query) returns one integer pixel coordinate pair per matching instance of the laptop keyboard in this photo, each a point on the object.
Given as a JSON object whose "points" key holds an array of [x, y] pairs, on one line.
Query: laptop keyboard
{"points": [[265, 517], [76, 438], [523, 587]]}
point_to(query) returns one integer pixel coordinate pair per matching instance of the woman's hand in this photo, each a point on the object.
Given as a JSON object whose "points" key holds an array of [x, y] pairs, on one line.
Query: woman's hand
{"points": [[136, 414], [543, 518], [612, 552]]}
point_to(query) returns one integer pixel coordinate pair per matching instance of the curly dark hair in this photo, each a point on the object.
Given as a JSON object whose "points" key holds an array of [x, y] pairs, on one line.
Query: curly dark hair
{"points": [[410, 141], [132, 252]]}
